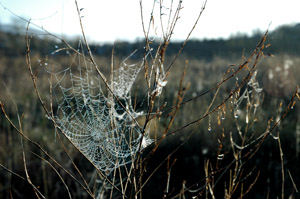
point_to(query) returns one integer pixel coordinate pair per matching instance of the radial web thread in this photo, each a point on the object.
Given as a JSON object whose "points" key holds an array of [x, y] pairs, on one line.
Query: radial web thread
{"points": [[98, 124]]}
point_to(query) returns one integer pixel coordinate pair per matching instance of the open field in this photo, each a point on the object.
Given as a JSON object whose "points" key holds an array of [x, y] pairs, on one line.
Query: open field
{"points": [[220, 123]]}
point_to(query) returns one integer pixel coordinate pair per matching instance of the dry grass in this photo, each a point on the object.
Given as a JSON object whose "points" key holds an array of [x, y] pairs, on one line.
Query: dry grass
{"points": [[218, 135]]}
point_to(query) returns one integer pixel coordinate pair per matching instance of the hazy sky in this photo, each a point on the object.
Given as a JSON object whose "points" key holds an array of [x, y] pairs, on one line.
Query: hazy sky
{"points": [[110, 20]]}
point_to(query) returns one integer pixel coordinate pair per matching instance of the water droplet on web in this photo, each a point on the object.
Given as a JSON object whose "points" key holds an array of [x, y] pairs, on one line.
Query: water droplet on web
{"points": [[236, 78], [46, 64], [220, 156], [204, 151], [236, 116], [81, 97], [223, 118], [209, 124], [56, 47]]}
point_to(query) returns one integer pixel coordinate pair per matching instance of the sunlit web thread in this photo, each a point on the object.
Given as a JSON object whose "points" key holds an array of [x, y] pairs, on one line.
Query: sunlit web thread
{"points": [[98, 125], [124, 78]]}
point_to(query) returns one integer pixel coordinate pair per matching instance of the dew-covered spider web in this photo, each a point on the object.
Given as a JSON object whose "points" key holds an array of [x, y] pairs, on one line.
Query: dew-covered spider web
{"points": [[124, 77], [101, 125]]}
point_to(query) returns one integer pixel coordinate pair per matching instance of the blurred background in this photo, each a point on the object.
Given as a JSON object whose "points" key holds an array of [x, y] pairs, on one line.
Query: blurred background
{"points": [[225, 35]]}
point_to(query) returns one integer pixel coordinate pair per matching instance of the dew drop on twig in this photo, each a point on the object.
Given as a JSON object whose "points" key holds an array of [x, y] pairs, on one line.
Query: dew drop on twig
{"points": [[220, 156], [209, 128], [209, 124]]}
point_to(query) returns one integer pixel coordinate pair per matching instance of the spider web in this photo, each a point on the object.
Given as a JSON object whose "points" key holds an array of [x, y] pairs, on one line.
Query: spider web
{"points": [[124, 78], [103, 127]]}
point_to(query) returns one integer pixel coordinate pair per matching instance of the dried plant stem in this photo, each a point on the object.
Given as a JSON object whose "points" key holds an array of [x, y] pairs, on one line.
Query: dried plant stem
{"points": [[97, 68], [293, 182], [187, 38], [257, 53], [208, 181], [40, 148], [282, 166], [12, 172], [60, 177]]}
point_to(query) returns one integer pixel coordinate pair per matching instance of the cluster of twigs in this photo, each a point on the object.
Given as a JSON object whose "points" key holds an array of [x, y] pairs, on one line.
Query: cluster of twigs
{"points": [[130, 182]]}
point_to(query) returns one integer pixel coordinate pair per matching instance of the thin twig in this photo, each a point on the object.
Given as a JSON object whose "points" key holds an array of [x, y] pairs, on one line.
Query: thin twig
{"points": [[293, 182], [187, 38], [282, 166], [40, 148], [12, 172]]}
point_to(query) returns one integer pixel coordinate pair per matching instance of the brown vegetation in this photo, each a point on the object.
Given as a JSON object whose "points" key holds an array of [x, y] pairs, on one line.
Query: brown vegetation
{"points": [[221, 128]]}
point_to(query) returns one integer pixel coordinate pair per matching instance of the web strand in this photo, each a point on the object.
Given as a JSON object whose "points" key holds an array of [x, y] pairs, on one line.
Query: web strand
{"points": [[96, 124]]}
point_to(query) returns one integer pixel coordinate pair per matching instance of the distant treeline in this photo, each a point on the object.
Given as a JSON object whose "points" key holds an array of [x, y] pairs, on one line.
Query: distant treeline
{"points": [[284, 39]]}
